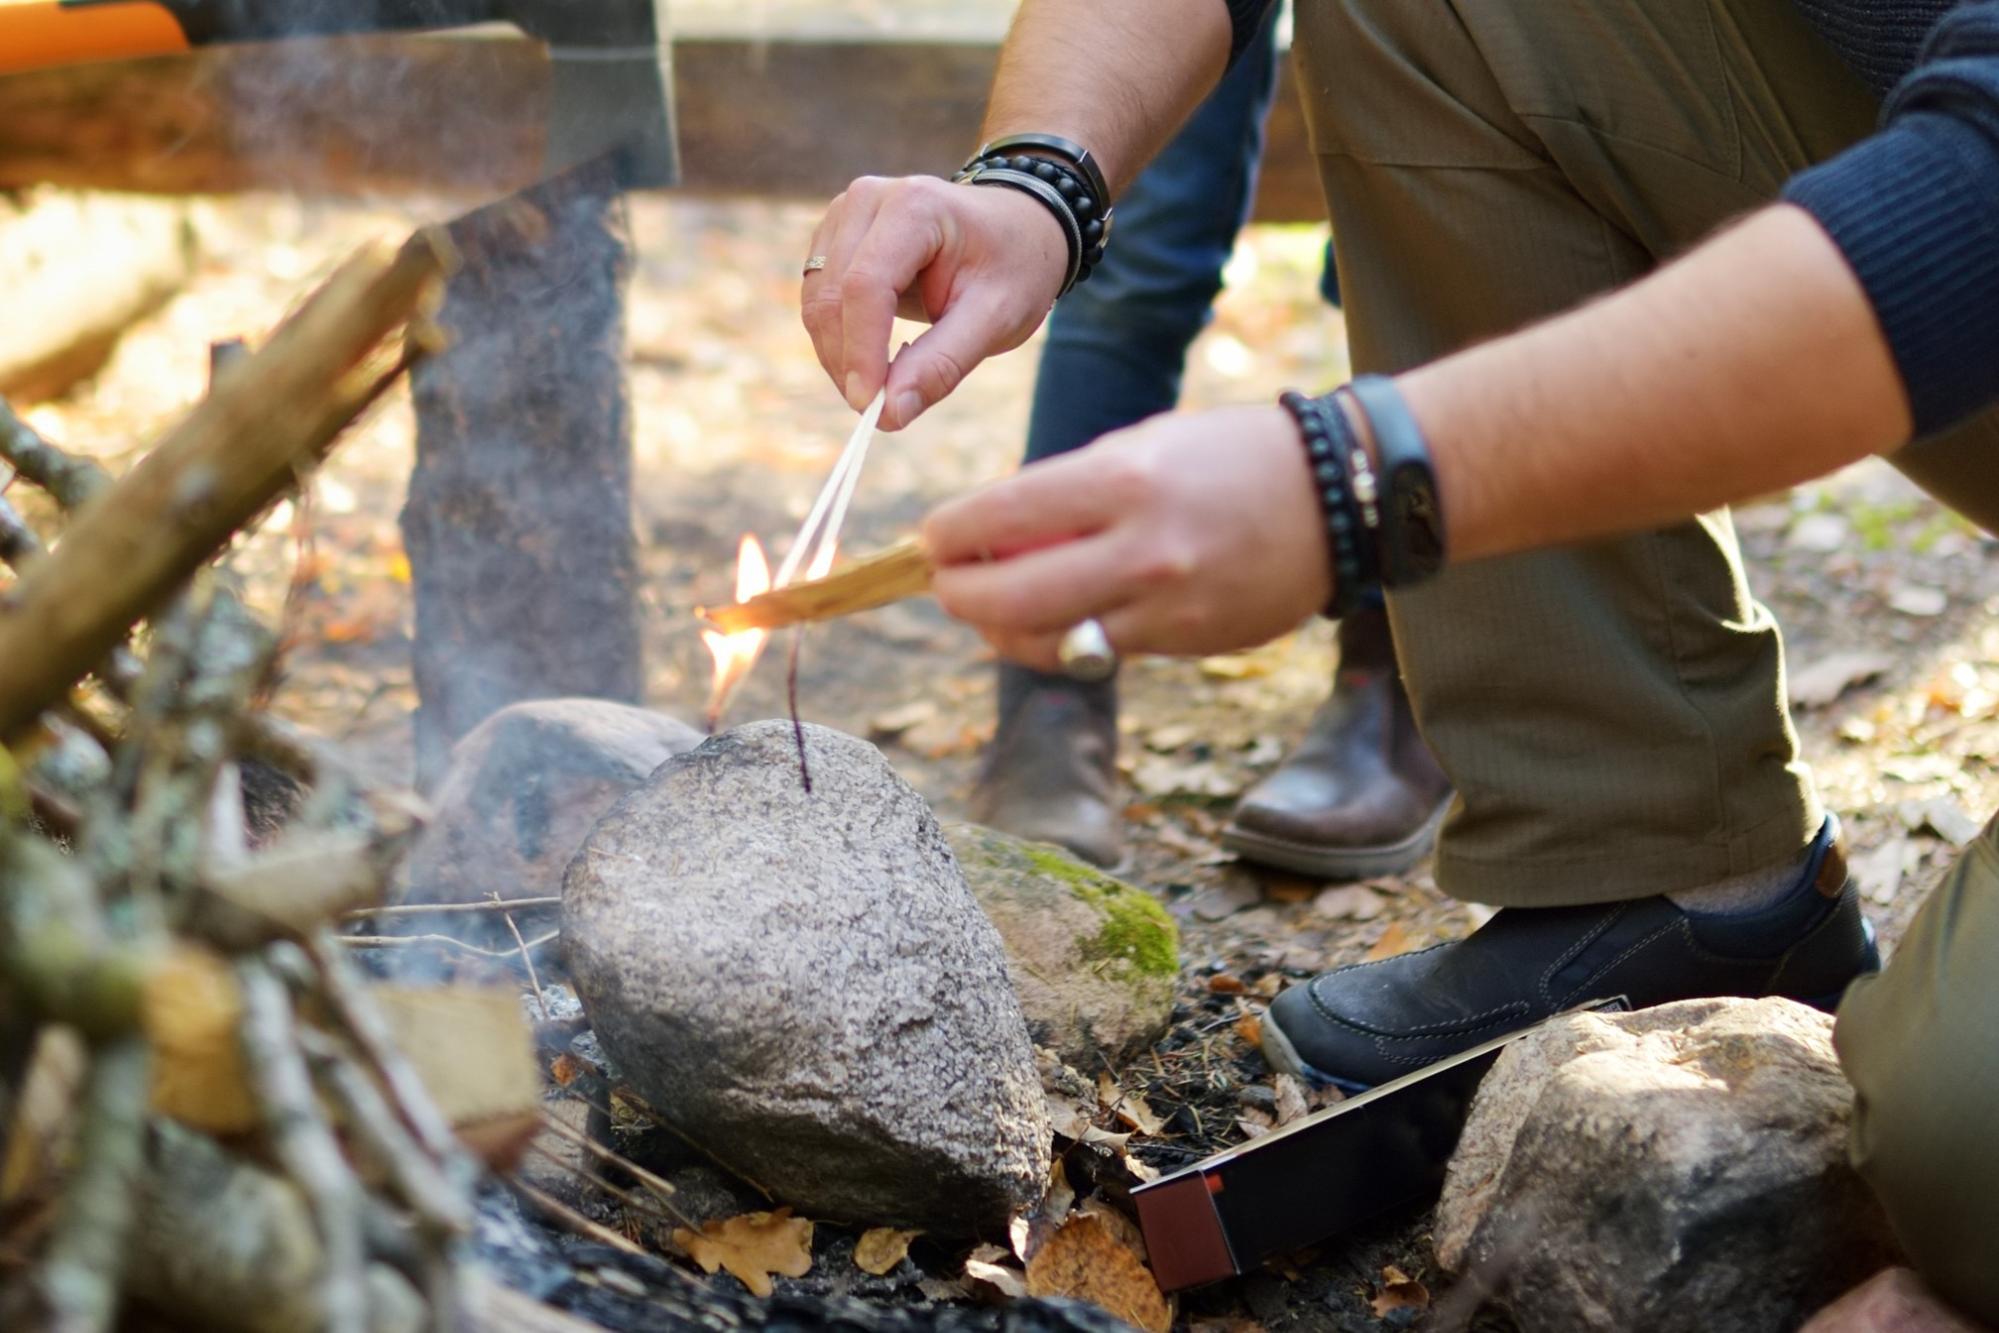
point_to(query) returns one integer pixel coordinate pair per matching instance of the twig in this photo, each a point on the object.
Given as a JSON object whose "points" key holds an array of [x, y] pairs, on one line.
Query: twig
{"points": [[791, 698], [899, 572], [442, 1209], [572, 1219], [369, 1030], [72, 482], [646, 1203], [661, 1190], [527, 960], [19, 543], [445, 942], [83, 1269], [446, 909], [303, 1143]]}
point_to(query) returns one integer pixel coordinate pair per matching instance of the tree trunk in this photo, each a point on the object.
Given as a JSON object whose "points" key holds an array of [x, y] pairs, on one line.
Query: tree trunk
{"points": [[518, 524]]}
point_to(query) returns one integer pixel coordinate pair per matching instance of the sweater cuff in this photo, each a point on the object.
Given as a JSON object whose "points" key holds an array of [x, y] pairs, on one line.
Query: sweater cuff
{"points": [[1911, 208]]}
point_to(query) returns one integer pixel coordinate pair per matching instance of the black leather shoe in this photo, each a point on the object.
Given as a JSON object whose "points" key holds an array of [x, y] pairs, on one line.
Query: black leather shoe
{"points": [[1361, 795], [1363, 1025], [1051, 772]]}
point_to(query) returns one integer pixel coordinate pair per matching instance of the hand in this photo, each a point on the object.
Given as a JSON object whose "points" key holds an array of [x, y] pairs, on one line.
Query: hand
{"points": [[1187, 534], [982, 264]]}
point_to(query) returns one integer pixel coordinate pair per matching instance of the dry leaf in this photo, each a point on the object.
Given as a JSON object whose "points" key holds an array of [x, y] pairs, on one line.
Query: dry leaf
{"points": [[1159, 776], [1948, 820], [192, 1012], [1822, 682], [1223, 984], [1235, 666], [886, 726], [1878, 873], [1250, 1028], [1085, 1261], [752, 1247], [881, 1250], [1170, 738], [1061, 1195], [1254, 1124], [1349, 902], [1129, 1107], [993, 1266], [1293, 1101], [1067, 1118], [1103, 1138], [1399, 1291], [1395, 940]]}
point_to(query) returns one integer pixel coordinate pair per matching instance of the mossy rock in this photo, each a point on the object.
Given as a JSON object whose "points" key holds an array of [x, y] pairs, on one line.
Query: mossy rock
{"points": [[1094, 960]]}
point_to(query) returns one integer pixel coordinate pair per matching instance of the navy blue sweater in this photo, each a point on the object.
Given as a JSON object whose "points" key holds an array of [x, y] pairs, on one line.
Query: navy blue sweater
{"points": [[1915, 207]]}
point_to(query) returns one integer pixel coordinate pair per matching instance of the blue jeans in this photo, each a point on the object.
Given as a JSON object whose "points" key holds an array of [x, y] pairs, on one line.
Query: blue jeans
{"points": [[1117, 345]]}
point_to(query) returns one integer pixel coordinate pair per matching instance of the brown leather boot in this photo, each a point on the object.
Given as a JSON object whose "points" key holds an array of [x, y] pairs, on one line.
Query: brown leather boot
{"points": [[1051, 771], [1361, 795]]}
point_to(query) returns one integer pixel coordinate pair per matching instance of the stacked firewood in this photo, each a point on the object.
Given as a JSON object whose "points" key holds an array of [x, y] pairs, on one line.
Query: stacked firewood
{"points": [[204, 1108]]}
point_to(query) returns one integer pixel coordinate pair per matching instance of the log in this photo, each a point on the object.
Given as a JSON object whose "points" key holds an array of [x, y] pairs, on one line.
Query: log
{"points": [[518, 524], [131, 547], [78, 271], [794, 117]]}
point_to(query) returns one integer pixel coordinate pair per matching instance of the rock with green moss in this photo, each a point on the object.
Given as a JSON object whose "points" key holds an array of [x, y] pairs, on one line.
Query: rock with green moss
{"points": [[1094, 960]]}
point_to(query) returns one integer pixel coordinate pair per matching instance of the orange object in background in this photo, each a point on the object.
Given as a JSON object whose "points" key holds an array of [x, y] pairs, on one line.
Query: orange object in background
{"points": [[39, 34]]}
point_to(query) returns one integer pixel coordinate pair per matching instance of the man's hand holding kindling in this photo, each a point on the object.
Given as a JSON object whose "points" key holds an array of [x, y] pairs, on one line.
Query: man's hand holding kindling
{"points": [[981, 266]]}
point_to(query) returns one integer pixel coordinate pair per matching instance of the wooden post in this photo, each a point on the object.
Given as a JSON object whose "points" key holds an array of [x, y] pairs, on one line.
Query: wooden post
{"points": [[518, 524]]}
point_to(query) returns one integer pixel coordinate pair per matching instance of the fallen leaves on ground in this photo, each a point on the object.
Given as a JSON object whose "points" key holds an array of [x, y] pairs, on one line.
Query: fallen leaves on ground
{"points": [[882, 1250], [1129, 1107], [1349, 902], [1397, 1292], [1294, 1102], [1879, 872], [1085, 1261], [994, 1267], [1250, 1028], [1395, 940], [752, 1247], [1821, 683]]}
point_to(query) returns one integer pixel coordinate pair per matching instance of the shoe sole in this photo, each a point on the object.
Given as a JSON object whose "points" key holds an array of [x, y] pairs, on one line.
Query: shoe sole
{"points": [[1283, 1057], [1323, 862]]}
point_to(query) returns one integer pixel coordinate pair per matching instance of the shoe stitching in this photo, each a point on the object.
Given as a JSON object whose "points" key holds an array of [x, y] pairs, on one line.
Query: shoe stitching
{"points": [[1573, 951], [1456, 1028], [1639, 947]]}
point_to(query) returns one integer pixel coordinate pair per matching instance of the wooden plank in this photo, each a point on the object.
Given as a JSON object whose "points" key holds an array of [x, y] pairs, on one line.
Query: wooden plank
{"points": [[784, 118]]}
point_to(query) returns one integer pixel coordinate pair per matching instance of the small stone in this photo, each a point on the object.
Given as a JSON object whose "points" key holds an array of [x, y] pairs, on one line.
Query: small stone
{"points": [[1678, 1168], [1948, 820], [1913, 599], [1822, 533], [1094, 961], [523, 789], [806, 987]]}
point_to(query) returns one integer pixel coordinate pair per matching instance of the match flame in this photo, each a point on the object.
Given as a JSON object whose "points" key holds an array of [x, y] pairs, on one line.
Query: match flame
{"points": [[735, 654]]}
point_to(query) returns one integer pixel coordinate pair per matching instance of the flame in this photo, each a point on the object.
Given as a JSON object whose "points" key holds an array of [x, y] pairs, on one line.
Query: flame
{"points": [[735, 654]]}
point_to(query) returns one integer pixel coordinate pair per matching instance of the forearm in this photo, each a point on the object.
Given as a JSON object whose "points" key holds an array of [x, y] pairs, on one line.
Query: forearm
{"points": [[1117, 76], [1753, 363]]}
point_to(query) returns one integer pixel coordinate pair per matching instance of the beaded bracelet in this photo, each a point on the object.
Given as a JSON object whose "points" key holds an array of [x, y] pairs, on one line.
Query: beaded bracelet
{"points": [[1330, 447], [1073, 193]]}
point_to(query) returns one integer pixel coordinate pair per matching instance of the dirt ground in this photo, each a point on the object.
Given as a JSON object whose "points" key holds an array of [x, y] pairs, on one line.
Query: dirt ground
{"points": [[736, 425]]}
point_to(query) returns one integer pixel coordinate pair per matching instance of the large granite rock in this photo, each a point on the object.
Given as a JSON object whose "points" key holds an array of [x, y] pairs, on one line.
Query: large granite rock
{"points": [[1094, 960], [1677, 1168], [524, 788], [804, 985]]}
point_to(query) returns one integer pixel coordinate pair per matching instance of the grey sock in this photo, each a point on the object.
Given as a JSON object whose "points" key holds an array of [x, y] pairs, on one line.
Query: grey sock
{"points": [[1742, 894]]}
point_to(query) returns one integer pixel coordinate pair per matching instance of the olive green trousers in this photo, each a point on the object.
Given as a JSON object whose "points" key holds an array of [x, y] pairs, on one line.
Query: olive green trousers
{"points": [[1612, 715]]}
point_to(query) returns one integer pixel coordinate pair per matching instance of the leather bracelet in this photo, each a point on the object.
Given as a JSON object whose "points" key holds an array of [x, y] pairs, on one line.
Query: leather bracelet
{"points": [[1091, 213], [1068, 150], [1327, 441], [1412, 515], [1051, 199]]}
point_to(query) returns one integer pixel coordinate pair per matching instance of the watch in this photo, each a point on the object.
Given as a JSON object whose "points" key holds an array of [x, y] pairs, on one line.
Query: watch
{"points": [[1412, 517]]}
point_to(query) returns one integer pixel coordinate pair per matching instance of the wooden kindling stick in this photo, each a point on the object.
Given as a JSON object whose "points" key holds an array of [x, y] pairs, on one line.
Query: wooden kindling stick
{"points": [[890, 575]]}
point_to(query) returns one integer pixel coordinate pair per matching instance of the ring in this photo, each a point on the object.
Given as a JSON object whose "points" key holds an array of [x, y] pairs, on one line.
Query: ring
{"points": [[814, 264], [1086, 653]]}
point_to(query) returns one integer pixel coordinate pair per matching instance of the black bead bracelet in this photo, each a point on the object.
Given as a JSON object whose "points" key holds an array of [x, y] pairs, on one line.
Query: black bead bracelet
{"points": [[1068, 184], [1331, 449]]}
